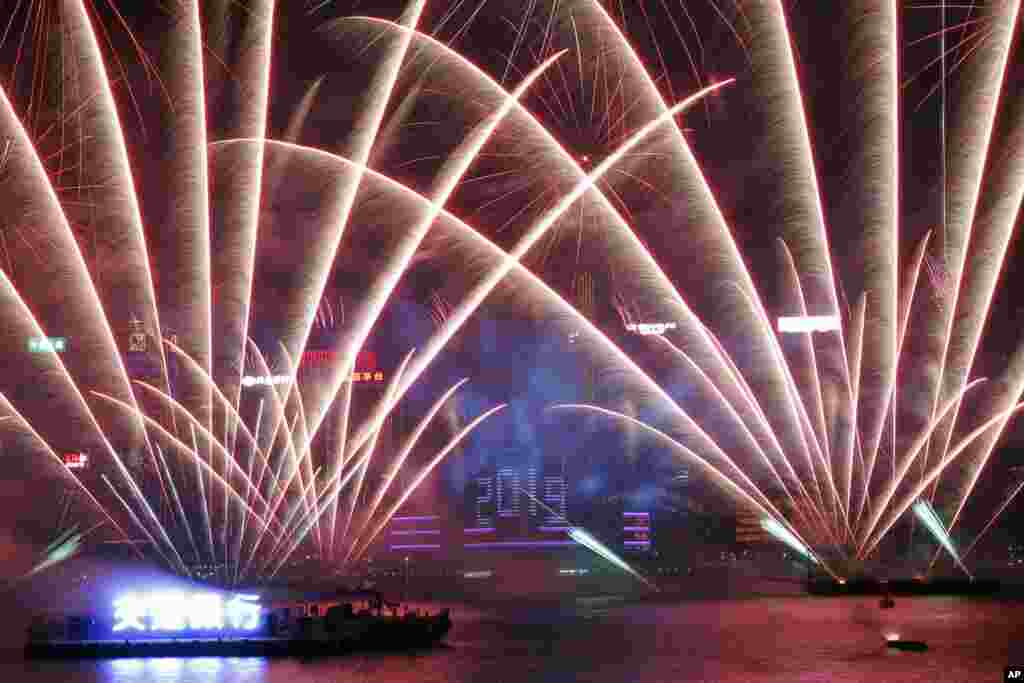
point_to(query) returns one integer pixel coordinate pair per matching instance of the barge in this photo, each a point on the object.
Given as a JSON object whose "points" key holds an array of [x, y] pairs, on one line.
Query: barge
{"points": [[316, 627]]}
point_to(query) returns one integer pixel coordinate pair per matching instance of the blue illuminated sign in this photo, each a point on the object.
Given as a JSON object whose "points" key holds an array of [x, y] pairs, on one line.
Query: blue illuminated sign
{"points": [[47, 344], [179, 611]]}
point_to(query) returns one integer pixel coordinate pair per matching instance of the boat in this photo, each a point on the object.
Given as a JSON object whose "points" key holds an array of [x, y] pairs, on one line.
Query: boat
{"points": [[907, 645], [299, 629]]}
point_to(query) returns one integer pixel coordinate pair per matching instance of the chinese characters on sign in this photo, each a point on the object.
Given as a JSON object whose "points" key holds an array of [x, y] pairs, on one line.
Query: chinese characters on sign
{"points": [[265, 380], [137, 336], [180, 611], [75, 461], [268, 380], [648, 329], [810, 323], [47, 344], [368, 376]]}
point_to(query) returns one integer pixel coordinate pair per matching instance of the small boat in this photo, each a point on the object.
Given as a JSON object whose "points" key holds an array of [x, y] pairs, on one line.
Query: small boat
{"points": [[907, 645]]}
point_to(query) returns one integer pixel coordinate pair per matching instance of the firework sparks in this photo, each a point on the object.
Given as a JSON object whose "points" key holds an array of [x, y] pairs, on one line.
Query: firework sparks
{"points": [[816, 433]]}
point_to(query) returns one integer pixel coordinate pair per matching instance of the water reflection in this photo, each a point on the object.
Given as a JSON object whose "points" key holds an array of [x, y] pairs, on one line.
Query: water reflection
{"points": [[768, 640], [185, 669]]}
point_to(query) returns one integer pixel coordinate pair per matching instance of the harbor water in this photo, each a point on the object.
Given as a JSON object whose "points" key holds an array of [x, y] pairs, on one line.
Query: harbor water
{"points": [[777, 638]]}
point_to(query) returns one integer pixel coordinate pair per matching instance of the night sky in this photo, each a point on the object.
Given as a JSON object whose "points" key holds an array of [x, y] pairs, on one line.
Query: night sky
{"points": [[684, 44]]}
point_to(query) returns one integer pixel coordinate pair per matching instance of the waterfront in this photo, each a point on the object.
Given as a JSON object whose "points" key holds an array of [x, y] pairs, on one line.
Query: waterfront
{"points": [[771, 638]]}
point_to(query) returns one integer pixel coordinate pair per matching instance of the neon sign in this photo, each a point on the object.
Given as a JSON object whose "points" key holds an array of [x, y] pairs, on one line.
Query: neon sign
{"points": [[809, 323], [650, 328], [368, 376], [365, 360], [180, 611], [75, 461], [315, 362], [273, 380], [137, 336], [498, 496], [265, 380], [47, 344]]}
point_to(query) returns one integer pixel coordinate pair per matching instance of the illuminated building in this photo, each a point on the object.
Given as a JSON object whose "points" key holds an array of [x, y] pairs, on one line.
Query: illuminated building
{"points": [[415, 533], [749, 530], [140, 348], [636, 531], [681, 478], [517, 508], [1015, 555]]}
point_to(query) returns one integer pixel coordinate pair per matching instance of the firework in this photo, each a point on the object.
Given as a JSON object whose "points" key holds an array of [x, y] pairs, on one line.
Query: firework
{"points": [[830, 436]]}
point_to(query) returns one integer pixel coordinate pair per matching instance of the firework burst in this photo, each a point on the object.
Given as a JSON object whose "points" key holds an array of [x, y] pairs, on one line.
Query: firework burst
{"points": [[215, 455]]}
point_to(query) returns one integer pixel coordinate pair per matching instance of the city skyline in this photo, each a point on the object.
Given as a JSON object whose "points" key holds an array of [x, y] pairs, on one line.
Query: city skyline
{"points": [[655, 196]]}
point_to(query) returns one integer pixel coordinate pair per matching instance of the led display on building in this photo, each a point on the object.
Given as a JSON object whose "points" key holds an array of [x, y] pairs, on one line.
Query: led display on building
{"points": [[810, 323], [518, 507]]}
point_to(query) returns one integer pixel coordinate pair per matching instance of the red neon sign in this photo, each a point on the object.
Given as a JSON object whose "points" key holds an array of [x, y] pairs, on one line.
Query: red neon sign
{"points": [[366, 361], [75, 461]]}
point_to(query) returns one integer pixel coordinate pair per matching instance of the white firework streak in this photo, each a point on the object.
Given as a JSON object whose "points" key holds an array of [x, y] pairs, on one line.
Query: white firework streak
{"points": [[727, 483], [364, 136], [65, 472], [339, 462], [448, 179], [994, 222], [924, 512], [109, 163], [966, 177], [839, 438], [338, 481], [719, 242], [934, 474], [397, 505], [191, 289], [473, 300]]}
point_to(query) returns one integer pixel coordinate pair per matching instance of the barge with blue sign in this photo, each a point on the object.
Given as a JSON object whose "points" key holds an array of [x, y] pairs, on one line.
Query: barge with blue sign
{"points": [[179, 624]]}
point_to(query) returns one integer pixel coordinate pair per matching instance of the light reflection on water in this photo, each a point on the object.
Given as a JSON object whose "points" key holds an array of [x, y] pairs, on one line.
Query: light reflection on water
{"points": [[775, 640], [183, 669]]}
